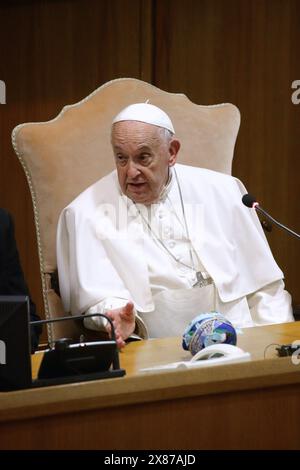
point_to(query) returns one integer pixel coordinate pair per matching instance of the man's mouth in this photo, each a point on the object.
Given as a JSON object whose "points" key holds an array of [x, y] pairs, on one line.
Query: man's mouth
{"points": [[136, 186]]}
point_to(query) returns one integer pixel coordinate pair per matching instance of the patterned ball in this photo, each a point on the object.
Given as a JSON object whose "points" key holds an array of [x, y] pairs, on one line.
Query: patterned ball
{"points": [[206, 329]]}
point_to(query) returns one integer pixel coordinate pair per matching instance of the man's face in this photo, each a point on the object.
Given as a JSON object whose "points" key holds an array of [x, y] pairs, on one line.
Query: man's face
{"points": [[143, 156]]}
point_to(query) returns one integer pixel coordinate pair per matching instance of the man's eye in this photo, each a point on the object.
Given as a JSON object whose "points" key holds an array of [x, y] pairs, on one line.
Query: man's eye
{"points": [[121, 159], [145, 158]]}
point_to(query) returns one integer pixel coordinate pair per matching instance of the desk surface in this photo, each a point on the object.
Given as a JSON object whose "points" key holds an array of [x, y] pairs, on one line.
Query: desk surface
{"points": [[259, 341], [260, 390]]}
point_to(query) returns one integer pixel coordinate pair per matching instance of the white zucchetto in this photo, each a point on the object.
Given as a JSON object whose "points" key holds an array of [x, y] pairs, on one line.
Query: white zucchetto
{"points": [[145, 112]]}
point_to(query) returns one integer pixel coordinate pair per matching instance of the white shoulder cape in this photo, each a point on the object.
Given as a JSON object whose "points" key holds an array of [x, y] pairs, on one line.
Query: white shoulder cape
{"points": [[100, 254]]}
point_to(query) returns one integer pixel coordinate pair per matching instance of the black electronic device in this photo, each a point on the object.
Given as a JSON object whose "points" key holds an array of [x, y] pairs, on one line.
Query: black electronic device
{"points": [[77, 362], [15, 364], [288, 349], [64, 362]]}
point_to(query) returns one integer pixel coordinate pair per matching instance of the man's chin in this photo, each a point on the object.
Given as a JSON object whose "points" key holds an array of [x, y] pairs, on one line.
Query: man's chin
{"points": [[139, 198]]}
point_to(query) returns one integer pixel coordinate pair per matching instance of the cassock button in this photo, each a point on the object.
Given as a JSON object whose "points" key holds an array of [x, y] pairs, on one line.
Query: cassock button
{"points": [[182, 271]]}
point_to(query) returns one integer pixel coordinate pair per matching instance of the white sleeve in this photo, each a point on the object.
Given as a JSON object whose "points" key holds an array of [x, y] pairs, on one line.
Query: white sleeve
{"points": [[87, 275], [100, 323], [272, 304]]}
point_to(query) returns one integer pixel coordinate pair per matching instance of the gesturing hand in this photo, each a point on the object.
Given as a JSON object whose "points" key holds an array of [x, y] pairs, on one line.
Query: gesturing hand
{"points": [[124, 322]]}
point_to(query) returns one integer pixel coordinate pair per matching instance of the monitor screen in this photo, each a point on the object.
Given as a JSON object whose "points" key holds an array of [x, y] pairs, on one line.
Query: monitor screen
{"points": [[15, 359]]}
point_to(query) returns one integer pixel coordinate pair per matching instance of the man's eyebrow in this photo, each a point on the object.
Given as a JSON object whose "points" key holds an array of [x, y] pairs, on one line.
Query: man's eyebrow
{"points": [[141, 147], [144, 147]]}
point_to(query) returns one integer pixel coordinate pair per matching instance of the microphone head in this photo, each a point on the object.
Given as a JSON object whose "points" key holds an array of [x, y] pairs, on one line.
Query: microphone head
{"points": [[207, 329], [248, 200]]}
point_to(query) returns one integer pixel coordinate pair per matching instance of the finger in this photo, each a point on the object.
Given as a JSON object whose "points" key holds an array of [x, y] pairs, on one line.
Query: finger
{"points": [[129, 306], [120, 341], [120, 344], [110, 314], [127, 311], [118, 334]]}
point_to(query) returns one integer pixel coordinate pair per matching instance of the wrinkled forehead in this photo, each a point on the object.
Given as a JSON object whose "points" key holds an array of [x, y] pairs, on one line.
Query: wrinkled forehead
{"points": [[136, 133]]}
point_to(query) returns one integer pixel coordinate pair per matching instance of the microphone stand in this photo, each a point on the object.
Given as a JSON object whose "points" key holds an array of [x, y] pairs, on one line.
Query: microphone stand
{"points": [[257, 207], [250, 202]]}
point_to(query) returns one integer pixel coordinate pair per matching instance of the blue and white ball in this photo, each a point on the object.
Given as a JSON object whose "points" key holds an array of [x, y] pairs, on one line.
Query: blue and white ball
{"points": [[206, 329]]}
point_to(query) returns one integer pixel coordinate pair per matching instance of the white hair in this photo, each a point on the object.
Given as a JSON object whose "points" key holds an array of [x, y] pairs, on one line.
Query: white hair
{"points": [[166, 134]]}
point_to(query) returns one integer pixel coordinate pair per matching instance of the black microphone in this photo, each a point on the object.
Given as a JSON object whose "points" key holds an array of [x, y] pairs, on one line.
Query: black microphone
{"points": [[251, 202]]}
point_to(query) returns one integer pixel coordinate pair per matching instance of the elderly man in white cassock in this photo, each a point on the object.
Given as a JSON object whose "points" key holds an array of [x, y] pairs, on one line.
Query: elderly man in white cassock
{"points": [[155, 243]]}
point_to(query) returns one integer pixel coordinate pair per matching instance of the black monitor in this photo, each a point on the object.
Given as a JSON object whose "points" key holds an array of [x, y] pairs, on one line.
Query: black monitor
{"points": [[64, 363], [15, 348]]}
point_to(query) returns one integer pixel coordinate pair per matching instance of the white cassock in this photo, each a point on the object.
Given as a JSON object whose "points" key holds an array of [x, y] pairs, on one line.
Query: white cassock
{"points": [[110, 250]]}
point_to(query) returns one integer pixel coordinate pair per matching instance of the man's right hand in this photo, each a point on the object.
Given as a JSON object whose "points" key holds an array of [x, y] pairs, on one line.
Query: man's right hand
{"points": [[123, 319]]}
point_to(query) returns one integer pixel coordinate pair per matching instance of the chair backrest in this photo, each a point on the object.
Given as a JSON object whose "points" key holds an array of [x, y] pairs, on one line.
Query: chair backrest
{"points": [[64, 156]]}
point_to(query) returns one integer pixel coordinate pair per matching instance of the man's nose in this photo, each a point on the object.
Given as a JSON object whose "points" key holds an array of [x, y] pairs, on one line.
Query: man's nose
{"points": [[132, 170]]}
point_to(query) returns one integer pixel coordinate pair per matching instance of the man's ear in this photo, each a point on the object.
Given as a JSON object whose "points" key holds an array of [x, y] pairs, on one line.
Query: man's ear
{"points": [[174, 148]]}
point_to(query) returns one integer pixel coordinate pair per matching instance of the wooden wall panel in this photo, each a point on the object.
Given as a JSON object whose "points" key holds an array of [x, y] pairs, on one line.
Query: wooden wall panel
{"points": [[244, 52]]}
